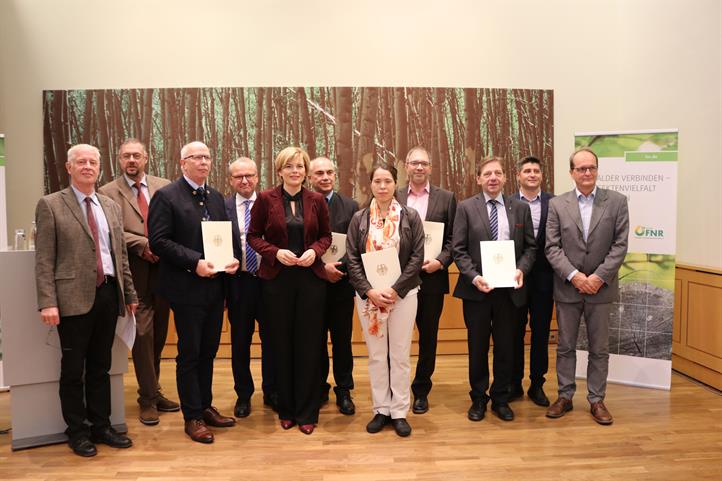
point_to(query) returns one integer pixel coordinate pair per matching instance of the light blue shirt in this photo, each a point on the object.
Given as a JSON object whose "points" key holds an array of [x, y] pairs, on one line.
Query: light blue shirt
{"points": [[535, 207], [586, 203], [502, 219], [192, 184], [103, 230]]}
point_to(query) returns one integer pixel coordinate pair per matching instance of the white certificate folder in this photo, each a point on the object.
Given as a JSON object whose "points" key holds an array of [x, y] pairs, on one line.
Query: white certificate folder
{"points": [[382, 267], [433, 239], [498, 263], [336, 250], [217, 243]]}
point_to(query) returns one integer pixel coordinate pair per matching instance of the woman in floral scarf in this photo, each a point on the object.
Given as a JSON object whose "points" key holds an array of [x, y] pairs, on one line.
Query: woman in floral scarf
{"points": [[387, 315]]}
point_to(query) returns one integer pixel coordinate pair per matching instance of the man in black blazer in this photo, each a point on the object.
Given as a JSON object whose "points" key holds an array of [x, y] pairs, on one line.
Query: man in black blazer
{"points": [[338, 311], [491, 216], [436, 205], [192, 285], [244, 292], [540, 289]]}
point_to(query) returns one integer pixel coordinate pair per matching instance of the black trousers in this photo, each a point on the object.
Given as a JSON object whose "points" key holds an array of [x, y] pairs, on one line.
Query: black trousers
{"points": [[293, 303], [87, 342], [539, 314], [338, 321], [243, 312], [199, 333], [427, 323], [495, 316]]}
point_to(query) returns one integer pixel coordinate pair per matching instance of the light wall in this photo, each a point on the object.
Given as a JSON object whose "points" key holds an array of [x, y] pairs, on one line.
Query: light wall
{"points": [[613, 65]]}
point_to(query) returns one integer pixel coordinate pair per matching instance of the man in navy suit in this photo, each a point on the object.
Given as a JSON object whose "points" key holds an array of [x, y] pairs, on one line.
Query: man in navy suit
{"points": [[338, 312], [540, 289], [192, 285], [491, 216], [244, 292]]}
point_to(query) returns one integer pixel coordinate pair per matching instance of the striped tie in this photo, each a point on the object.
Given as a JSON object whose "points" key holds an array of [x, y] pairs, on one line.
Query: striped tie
{"points": [[251, 263], [494, 220]]}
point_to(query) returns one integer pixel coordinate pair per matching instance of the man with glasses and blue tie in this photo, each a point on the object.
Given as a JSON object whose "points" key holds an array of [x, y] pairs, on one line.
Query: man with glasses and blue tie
{"points": [[491, 216], [192, 284], [244, 293], [587, 230]]}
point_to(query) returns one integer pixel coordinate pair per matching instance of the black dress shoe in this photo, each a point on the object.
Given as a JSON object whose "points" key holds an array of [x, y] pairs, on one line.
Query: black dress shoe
{"points": [[242, 409], [271, 400], [536, 394], [378, 423], [502, 411], [477, 411], [421, 405], [516, 392], [401, 427], [345, 405], [112, 438], [82, 446], [324, 397]]}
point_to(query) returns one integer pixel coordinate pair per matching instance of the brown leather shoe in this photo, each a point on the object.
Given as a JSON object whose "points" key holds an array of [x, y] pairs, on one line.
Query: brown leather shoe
{"points": [[198, 432], [149, 415], [213, 418], [560, 407], [165, 405], [600, 414]]}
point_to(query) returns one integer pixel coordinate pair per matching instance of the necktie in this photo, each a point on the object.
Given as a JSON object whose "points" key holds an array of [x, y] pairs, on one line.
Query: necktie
{"points": [[494, 220], [251, 263], [202, 196], [99, 274], [143, 206]]}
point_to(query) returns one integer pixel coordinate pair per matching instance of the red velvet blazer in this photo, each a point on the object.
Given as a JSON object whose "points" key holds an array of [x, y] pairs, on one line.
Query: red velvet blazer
{"points": [[268, 232]]}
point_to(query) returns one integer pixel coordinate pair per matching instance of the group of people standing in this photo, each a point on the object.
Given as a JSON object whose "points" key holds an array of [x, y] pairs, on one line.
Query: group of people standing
{"points": [[144, 251]]}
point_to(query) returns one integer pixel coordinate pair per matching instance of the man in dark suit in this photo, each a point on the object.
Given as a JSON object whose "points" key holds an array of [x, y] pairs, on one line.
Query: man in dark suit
{"points": [[191, 284], [244, 293], [587, 232], [338, 311], [539, 282], [436, 205], [132, 191], [491, 216], [83, 285]]}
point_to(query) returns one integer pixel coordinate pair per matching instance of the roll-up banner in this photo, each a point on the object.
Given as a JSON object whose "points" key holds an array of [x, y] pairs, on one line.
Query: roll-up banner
{"points": [[643, 166]]}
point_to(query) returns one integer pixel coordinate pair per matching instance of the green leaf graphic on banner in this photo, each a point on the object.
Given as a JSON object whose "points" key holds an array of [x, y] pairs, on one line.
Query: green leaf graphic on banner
{"points": [[617, 145]]}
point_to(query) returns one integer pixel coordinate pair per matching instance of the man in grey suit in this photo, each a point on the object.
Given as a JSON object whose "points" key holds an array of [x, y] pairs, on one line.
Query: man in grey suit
{"points": [[83, 285], [132, 191], [587, 231], [436, 205], [491, 216]]}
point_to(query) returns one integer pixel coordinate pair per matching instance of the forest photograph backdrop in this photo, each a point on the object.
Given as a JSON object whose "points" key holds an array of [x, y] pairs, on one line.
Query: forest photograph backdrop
{"points": [[353, 126]]}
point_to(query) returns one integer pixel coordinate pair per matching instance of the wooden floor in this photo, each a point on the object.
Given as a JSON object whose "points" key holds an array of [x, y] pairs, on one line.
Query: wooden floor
{"points": [[657, 435]]}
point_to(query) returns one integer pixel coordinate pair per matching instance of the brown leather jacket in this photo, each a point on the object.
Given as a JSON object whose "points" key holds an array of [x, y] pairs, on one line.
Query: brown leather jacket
{"points": [[411, 251]]}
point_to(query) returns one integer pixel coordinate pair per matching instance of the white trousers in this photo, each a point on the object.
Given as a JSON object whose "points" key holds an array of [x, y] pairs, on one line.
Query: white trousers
{"points": [[389, 364]]}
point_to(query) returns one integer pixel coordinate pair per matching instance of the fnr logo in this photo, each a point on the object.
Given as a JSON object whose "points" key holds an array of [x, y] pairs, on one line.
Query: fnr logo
{"points": [[648, 233]]}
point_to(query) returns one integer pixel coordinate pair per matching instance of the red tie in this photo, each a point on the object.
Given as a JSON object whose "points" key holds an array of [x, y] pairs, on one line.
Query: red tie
{"points": [[99, 274], [143, 206]]}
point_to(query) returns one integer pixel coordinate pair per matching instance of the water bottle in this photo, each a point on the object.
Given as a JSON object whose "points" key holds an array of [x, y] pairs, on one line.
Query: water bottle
{"points": [[19, 244], [33, 235]]}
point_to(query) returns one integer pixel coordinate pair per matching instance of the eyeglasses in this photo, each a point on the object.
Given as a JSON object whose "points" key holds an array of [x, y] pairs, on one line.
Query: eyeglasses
{"points": [[198, 157], [241, 177], [583, 170], [419, 163], [131, 155]]}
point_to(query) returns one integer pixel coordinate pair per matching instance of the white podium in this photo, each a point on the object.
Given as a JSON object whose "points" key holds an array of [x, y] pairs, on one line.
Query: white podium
{"points": [[31, 360]]}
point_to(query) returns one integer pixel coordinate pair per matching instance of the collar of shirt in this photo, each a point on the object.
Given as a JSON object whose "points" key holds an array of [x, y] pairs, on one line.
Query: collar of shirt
{"points": [[535, 198], [81, 197], [240, 199], [591, 195], [328, 197], [425, 191], [499, 198], [191, 183], [131, 182]]}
